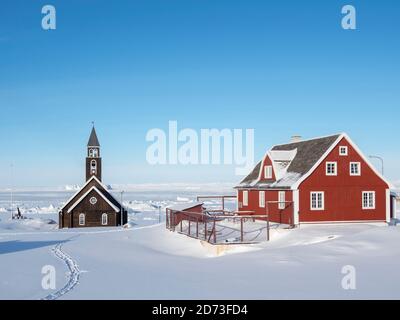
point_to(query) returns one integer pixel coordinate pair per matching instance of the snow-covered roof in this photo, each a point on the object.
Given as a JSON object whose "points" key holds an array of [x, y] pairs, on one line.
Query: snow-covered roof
{"points": [[290, 162], [295, 162], [100, 188], [115, 208], [184, 206]]}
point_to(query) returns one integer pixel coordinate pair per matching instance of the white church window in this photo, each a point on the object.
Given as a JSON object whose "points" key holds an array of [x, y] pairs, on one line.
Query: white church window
{"points": [[93, 153], [82, 219], [93, 166], [104, 219], [93, 200]]}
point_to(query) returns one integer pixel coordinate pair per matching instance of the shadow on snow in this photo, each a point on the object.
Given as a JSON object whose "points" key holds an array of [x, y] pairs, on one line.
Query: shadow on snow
{"points": [[17, 245]]}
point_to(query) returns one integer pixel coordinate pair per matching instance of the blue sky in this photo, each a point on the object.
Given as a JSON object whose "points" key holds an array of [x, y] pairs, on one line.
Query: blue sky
{"points": [[280, 67]]}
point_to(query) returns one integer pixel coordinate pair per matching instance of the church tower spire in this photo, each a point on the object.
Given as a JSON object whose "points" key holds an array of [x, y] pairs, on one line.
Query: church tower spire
{"points": [[93, 159]]}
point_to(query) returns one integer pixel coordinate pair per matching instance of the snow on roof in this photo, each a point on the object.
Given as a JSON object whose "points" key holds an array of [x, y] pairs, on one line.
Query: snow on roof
{"points": [[286, 182], [283, 155], [184, 206], [291, 162]]}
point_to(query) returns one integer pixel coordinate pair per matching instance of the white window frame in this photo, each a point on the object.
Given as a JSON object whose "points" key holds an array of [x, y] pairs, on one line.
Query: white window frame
{"points": [[245, 198], [104, 222], [346, 152], [317, 195], [369, 206], [268, 172], [261, 199], [328, 163], [82, 219], [93, 153], [359, 168], [282, 200]]}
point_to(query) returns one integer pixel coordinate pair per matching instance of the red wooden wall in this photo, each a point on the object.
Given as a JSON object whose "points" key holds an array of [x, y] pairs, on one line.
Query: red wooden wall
{"points": [[343, 193]]}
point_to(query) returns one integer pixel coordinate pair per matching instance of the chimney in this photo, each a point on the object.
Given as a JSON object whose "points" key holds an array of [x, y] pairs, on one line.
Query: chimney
{"points": [[295, 139]]}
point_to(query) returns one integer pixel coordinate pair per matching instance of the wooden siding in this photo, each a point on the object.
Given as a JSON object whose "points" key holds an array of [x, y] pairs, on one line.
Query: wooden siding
{"points": [[343, 193]]}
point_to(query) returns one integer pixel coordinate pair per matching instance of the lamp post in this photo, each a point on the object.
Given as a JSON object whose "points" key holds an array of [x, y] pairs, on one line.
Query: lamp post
{"points": [[122, 209], [382, 163]]}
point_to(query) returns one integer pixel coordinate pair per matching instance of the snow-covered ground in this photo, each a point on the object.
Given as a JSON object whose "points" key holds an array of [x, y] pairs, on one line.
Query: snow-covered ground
{"points": [[148, 262]]}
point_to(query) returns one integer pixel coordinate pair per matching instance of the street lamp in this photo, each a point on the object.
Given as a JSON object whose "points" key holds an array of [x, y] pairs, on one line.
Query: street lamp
{"points": [[381, 160], [122, 209]]}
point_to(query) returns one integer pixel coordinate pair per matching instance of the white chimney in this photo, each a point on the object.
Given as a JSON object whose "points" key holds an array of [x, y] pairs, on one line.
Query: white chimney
{"points": [[295, 139]]}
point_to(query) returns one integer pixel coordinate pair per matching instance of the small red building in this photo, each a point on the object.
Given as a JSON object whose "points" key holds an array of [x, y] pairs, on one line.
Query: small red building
{"points": [[320, 180], [185, 212]]}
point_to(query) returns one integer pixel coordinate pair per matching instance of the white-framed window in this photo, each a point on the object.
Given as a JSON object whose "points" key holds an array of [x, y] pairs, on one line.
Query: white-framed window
{"points": [[331, 168], [82, 219], [93, 166], [355, 168], [104, 219], [343, 150], [245, 198], [281, 199], [261, 199], [368, 200], [93, 153], [93, 200], [268, 172], [317, 200]]}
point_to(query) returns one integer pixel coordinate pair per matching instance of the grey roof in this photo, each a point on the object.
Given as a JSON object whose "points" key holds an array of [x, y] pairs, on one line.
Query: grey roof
{"points": [[93, 141], [253, 175], [308, 152], [307, 155]]}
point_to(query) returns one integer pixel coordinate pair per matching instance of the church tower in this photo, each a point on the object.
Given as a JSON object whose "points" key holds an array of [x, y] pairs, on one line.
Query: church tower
{"points": [[93, 159]]}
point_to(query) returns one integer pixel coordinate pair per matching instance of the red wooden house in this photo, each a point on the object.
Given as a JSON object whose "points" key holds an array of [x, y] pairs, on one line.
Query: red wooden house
{"points": [[320, 180]]}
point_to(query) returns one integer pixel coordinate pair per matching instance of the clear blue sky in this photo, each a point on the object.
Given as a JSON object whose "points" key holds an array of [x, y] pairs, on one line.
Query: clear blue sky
{"points": [[280, 67]]}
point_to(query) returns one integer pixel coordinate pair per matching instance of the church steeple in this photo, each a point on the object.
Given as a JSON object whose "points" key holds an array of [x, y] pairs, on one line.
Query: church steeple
{"points": [[93, 140], [93, 159]]}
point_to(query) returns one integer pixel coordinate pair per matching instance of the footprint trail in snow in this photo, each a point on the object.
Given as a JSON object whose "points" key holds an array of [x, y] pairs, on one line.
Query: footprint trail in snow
{"points": [[73, 274]]}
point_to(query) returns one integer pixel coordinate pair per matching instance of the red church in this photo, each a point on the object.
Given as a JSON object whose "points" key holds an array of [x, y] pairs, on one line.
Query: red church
{"points": [[322, 180]]}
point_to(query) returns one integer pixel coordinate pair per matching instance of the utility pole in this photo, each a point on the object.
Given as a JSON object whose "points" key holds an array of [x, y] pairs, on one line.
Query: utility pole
{"points": [[12, 191], [382, 163], [122, 209]]}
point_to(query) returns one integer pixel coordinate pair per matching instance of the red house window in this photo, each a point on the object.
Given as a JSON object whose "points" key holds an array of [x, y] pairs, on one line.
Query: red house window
{"points": [[317, 200]]}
